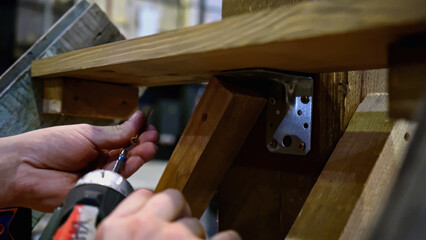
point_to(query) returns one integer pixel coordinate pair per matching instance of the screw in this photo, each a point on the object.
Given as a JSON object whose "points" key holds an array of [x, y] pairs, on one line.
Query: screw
{"points": [[304, 99], [273, 143], [277, 112], [301, 146]]}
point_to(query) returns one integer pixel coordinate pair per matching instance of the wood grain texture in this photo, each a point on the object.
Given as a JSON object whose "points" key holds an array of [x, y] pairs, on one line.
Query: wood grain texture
{"points": [[21, 98], [308, 37], [407, 77], [214, 134], [76, 97], [237, 7], [356, 179]]}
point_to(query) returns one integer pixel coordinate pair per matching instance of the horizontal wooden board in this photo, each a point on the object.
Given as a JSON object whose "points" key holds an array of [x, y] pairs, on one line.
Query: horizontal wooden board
{"points": [[309, 37], [82, 98]]}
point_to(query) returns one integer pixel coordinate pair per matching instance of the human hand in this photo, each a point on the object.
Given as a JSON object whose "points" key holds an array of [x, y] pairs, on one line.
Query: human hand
{"points": [[163, 216], [39, 168]]}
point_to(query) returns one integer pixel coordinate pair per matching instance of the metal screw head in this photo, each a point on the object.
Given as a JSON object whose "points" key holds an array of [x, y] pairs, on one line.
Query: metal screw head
{"points": [[304, 99], [273, 143], [301, 146]]}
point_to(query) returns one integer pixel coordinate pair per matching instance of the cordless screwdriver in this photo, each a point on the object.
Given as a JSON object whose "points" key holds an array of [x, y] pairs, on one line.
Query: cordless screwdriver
{"points": [[92, 199]]}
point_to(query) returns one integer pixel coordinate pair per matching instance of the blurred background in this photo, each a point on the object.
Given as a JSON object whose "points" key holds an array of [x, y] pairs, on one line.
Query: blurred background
{"points": [[22, 22]]}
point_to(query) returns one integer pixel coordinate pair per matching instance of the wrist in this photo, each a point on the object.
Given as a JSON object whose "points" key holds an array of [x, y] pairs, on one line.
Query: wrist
{"points": [[9, 163]]}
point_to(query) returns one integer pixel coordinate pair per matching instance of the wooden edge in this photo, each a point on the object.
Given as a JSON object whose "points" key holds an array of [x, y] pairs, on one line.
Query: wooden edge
{"points": [[76, 97], [292, 39], [356, 179], [214, 134]]}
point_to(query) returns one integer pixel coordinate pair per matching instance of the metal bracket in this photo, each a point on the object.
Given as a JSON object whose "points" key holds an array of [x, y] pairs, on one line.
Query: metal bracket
{"points": [[289, 109], [289, 115]]}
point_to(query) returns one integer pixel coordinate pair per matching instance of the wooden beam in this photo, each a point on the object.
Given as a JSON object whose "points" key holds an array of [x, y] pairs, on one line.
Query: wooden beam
{"points": [[309, 37], [350, 191], [214, 134], [76, 97], [407, 85]]}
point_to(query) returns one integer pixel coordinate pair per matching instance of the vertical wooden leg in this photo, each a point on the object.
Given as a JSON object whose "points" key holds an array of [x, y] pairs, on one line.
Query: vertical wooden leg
{"points": [[349, 193], [213, 137]]}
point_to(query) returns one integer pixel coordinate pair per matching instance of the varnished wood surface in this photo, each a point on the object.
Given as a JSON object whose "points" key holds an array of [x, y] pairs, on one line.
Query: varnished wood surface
{"points": [[350, 191], [308, 37], [217, 129]]}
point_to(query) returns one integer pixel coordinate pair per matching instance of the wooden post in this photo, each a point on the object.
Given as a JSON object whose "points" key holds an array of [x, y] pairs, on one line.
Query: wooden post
{"points": [[214, 134], [350, 191]]}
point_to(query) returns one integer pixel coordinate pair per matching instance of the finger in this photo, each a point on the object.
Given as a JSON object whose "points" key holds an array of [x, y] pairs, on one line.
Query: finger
{"points": [[145, 150], [131, 166], [167, 205], [133, 203], [150, 135], [114, 136], [191, 224], [227, 235]]}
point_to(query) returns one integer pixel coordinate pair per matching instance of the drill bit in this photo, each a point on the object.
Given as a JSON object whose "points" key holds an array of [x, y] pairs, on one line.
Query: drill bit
{"points": [[121, 160], [133, 142]]}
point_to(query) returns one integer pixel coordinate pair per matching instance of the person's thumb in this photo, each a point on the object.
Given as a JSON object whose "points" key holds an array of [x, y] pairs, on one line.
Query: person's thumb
{"points": [[117, 136]]}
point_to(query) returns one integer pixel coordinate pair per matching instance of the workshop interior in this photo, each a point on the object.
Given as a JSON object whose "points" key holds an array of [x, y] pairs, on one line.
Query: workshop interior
{"points": [[284, 119]]}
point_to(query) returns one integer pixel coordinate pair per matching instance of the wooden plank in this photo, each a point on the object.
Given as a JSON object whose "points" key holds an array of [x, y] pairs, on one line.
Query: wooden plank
{"points": [[309, 37], [76, 97], [237, 7], [21, 99], [214, 134], [407, 77], [404, 214], [355, 181]]}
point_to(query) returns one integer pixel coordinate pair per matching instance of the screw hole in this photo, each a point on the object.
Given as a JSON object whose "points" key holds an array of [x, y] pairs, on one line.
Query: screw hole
{"points": [[305, 125], [272, 101], [304, 99], [270, 124], [204, 117], [406, 137], [299, 112], [124, 103], [287, 141]]}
